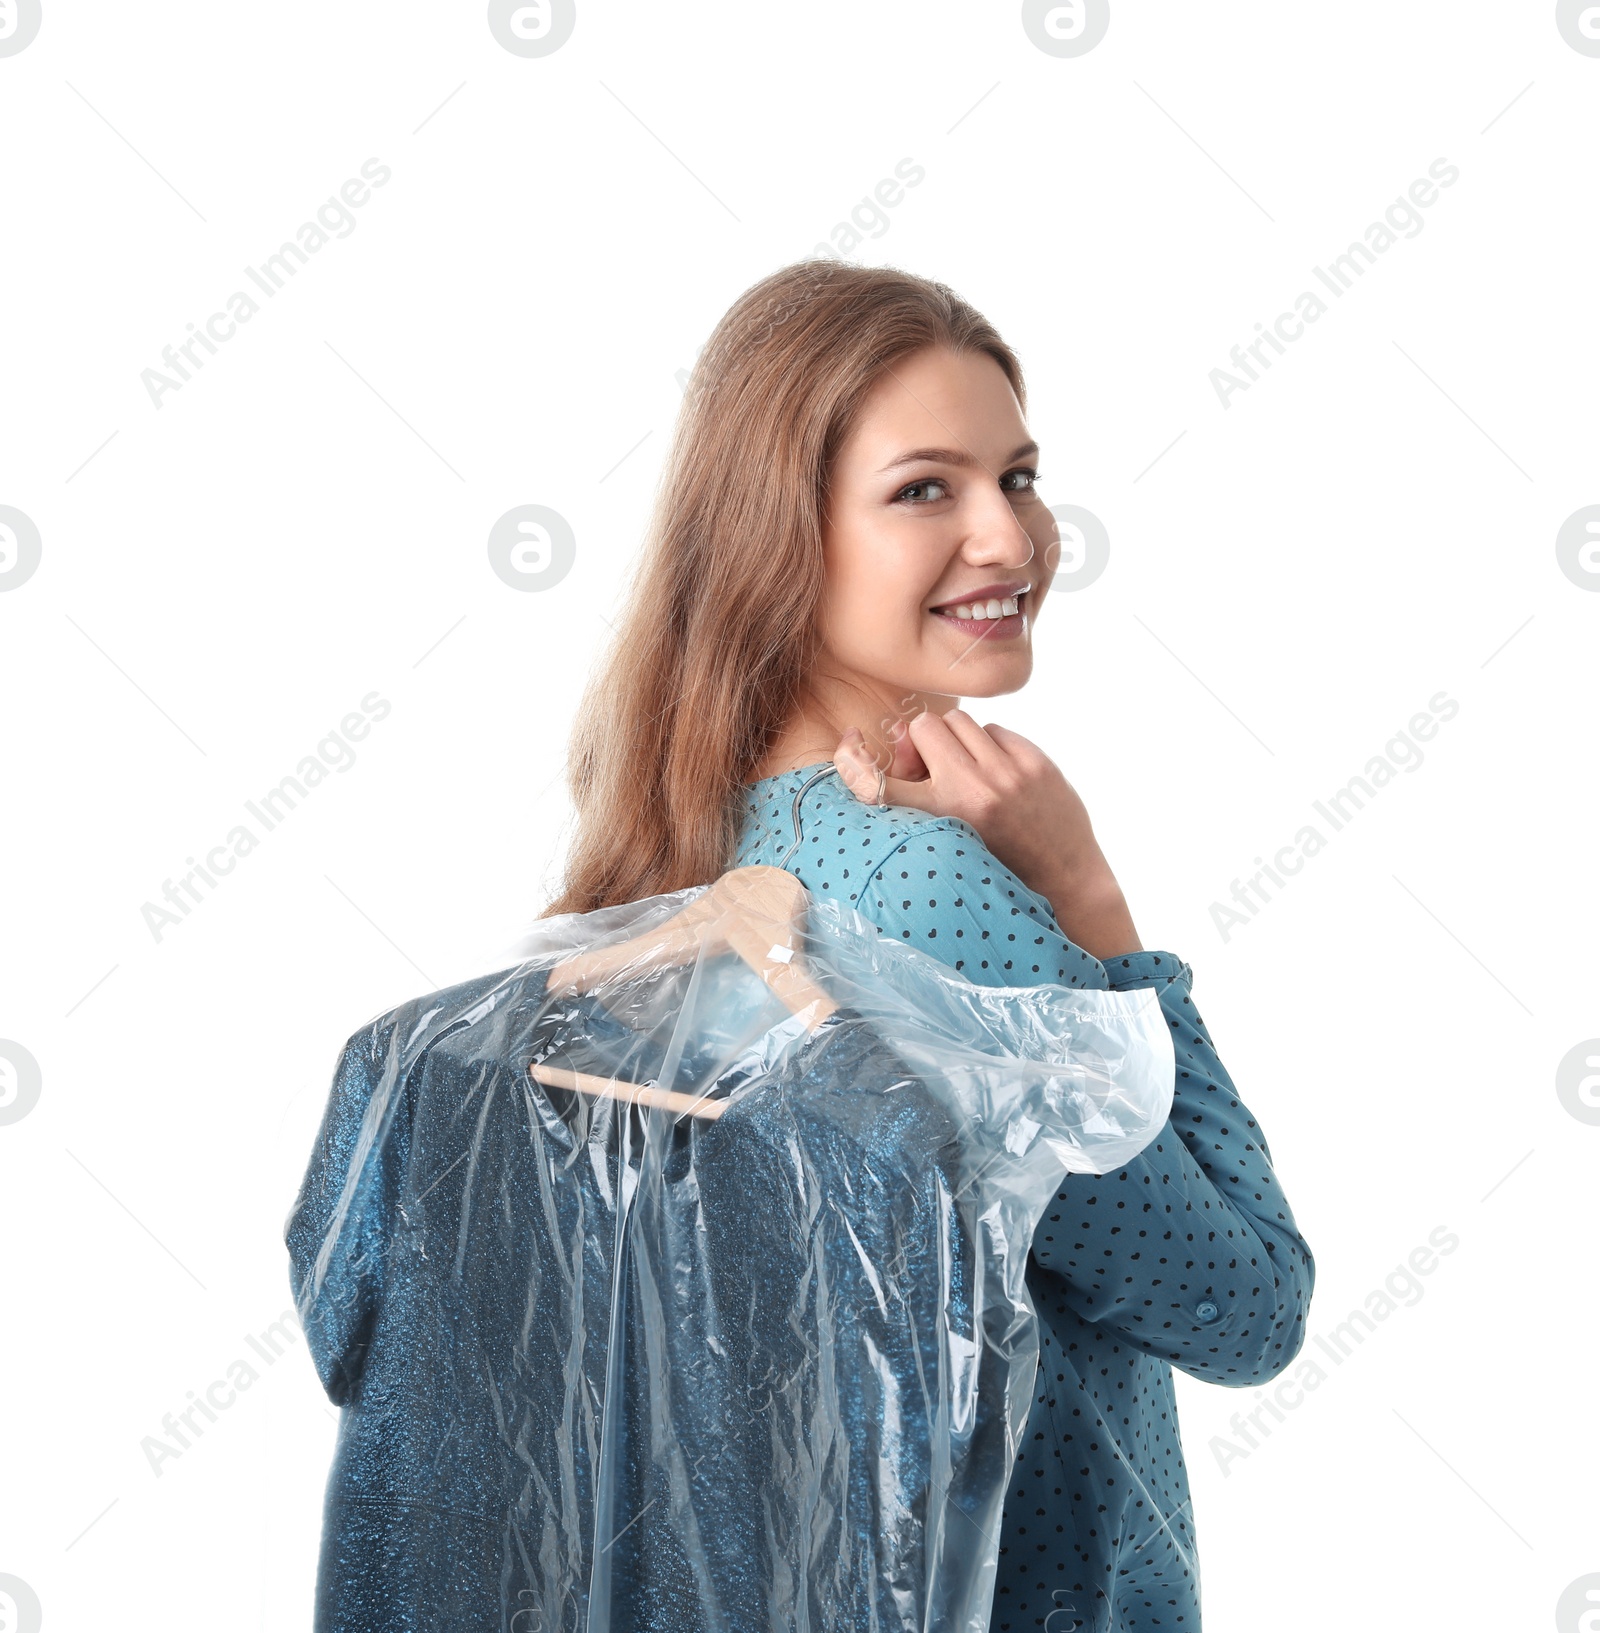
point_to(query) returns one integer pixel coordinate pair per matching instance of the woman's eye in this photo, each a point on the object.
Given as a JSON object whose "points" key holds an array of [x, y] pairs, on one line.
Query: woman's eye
{"points": [[1027, 478], [916, 492]]}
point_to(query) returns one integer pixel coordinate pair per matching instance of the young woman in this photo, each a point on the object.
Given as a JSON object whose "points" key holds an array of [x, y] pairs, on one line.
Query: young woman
{"points": [[848, 540]]}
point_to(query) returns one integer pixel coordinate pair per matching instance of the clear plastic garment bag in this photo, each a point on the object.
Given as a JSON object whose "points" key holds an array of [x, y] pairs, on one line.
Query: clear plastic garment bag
{"points": [[672, 1280]]}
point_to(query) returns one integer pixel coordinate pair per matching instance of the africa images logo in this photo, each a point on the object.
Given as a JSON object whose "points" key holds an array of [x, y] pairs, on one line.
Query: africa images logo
{"points": [[19, 22], [533, 30]]}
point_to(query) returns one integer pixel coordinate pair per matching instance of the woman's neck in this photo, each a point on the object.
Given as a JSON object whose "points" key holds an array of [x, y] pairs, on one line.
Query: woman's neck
{"points": [[812, 736]]}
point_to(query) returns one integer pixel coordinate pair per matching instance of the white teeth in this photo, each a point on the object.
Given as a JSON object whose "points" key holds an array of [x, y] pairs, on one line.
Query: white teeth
{"points": [[968, 610]]}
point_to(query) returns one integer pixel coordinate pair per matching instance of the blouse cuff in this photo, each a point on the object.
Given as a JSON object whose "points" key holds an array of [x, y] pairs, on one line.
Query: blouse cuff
{"points": [[1146, 969]]}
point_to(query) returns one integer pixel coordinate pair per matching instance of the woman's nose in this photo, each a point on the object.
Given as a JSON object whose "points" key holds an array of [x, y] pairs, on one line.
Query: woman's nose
{"points": [[998, 538]]}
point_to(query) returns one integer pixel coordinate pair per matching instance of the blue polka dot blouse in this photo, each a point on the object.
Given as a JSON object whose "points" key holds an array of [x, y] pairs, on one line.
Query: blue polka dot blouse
{"points": [[1187, 1257]]}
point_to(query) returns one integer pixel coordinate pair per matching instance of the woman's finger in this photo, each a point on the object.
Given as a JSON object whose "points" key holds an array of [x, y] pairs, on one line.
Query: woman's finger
{"points": [[986, 750], [1021, 749], [943, 751], [859, 773], [965, 763]]}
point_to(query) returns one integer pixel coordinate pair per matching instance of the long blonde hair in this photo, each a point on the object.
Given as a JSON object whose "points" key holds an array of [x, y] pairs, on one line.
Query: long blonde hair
{"points": [[719, 631]]}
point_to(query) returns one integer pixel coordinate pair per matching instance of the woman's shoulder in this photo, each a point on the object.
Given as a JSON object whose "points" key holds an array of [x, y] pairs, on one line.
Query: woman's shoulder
{"points": [[809, 822], [929, 881]]}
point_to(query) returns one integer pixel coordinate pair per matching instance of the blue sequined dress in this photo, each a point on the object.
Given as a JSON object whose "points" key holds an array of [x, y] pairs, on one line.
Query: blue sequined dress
{"points": [[606, 1368]]}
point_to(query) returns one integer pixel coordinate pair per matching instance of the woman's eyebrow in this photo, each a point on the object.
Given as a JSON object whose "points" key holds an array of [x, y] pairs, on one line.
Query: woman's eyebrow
{"points": [[951, 456]]}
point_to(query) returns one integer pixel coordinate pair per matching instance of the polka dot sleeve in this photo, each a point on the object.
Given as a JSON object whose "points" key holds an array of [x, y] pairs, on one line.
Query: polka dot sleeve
{"points": [[1190, 1252]]}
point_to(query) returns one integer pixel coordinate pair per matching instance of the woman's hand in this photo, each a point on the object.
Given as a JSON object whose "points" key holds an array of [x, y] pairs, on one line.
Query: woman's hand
{"points": [[1024, 809]]}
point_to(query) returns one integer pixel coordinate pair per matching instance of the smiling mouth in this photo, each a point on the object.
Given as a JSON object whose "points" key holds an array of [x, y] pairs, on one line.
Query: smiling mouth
{"points": [[990, 616]]}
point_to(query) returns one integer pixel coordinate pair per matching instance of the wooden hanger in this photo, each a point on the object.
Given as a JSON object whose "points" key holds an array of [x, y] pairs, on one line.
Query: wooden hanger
{"points": [[755, 912]]}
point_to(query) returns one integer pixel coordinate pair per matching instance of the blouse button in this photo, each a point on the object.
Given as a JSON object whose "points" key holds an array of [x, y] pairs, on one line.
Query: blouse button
{"points": [[1206, 1310]]}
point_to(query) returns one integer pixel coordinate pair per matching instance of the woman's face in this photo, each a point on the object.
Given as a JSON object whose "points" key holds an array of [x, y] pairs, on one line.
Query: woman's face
{"points": [[937, 550]]}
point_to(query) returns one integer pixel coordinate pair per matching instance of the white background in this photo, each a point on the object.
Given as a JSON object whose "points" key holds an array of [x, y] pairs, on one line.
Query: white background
{"points": [[1292, 577]]}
